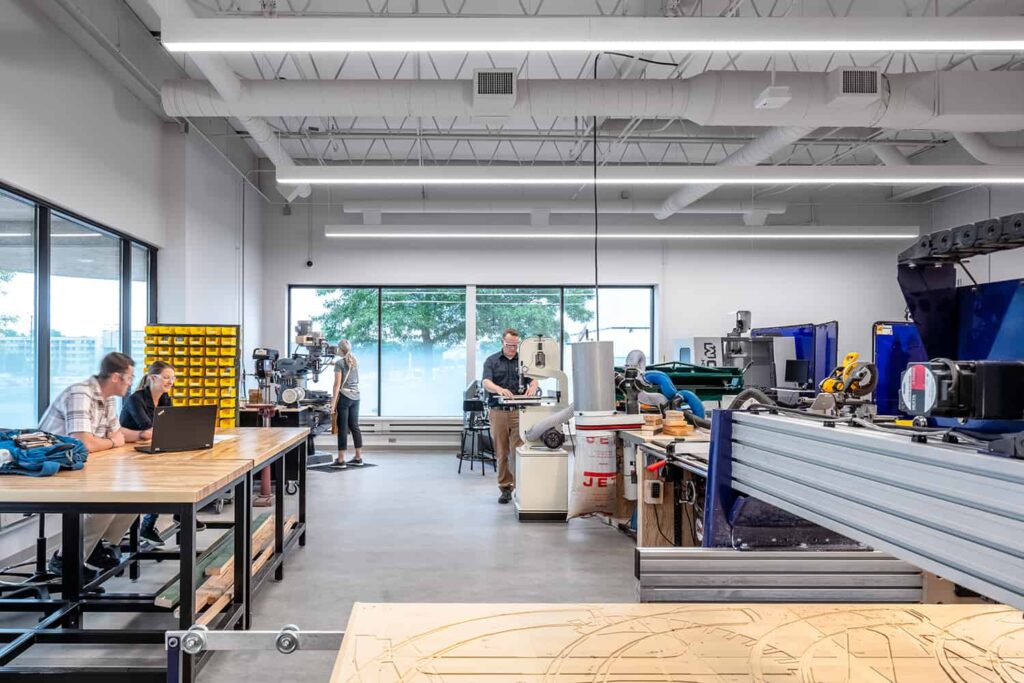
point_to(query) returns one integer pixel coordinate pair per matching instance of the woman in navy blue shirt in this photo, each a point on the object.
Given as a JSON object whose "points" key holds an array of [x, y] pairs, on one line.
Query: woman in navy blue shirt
{"points": [[137, 413]]}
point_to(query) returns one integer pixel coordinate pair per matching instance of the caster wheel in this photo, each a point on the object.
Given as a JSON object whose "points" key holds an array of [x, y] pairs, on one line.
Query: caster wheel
{"points": [[218, 506], [291, 488]]}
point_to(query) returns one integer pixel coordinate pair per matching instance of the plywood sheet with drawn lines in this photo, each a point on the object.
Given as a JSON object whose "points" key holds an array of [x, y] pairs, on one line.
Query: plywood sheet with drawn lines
{"points": [[436, 643]]}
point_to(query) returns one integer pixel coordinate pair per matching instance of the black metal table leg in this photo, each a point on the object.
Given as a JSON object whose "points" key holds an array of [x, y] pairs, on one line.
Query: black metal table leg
{"points": [[243, 549], [41, 546], [187, 582], [677, 511], [303, 459], [277, 471], [71, 564], [134, 569]]}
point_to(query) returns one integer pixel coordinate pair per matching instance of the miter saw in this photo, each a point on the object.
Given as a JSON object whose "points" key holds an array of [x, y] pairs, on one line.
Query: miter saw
{"points": [[847, 387]]}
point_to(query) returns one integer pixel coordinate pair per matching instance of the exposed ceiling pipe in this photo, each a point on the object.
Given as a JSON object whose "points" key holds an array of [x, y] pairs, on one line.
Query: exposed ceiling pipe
{"points": [[890, 156], [751, 154], [968, 101], [984, 151], [622, 206], [230, 88]]}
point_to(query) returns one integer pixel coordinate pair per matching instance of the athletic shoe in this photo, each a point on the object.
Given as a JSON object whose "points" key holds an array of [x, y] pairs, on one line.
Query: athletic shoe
{"points": [[104, 556], [55, 567], [339, 465], [151, 536], [506, 496], [356, 462], [199, 524]]}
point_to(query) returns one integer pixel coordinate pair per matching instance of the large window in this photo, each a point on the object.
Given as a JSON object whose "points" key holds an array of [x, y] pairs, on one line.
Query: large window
{"points": [[18, 370], [423, 357], [140, 301], [63, 287], [343, 313], [423, 342], [531, 310], [85, 300], [626, 319]]}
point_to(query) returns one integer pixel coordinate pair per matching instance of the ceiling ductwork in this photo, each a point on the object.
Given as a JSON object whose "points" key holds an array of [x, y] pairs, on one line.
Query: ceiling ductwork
{"points": [[890, 156], [967, 101], [227, 85], [987, 153], [751, 154]]}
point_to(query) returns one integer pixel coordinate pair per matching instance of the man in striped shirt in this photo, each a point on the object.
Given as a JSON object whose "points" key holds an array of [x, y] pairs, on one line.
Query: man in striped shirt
{"points": [[87, 411]]}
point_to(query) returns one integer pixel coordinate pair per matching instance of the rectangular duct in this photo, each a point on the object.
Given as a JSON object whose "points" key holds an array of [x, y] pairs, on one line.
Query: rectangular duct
{"points": [[494, 92], [854, 87]]}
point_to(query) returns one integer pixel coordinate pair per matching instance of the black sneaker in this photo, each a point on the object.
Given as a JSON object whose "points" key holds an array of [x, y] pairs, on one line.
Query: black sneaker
{"points": [[104, 556], [506, 496], [56, 568], [356, 462], [150, 535], [199, 523], [339, 465]]}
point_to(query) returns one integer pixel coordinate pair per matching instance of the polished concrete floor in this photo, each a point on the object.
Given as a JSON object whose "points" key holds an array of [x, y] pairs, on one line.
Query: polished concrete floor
{"points": [[410, 530]]}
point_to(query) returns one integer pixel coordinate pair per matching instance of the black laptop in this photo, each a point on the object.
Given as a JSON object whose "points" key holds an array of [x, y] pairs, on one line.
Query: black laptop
{"points": [[182, 428]]}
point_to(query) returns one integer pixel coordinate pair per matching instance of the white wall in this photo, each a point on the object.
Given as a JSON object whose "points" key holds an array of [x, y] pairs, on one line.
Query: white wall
{"points": [[214, 221], [780, 286], [72, 133], [69, 132], [697, 287]]}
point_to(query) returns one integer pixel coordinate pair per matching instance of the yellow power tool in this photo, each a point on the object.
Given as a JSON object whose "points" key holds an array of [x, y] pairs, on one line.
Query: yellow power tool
{"points": [[852, 377]]}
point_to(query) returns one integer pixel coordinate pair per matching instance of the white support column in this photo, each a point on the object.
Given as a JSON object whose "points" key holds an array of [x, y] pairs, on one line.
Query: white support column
{"points": [[470, 333]]}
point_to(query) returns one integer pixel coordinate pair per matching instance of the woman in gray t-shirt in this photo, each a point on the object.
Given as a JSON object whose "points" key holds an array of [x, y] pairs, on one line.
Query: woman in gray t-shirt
{"points": [[345, 399]]}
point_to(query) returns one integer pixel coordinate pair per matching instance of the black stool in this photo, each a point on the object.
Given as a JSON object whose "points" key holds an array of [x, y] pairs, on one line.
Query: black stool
{"points": [[474, 440]]}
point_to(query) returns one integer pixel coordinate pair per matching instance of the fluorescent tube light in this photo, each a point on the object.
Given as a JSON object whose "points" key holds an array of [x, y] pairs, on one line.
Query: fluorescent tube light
{"points": [[626, 236], [651, 175], [588, 34]]}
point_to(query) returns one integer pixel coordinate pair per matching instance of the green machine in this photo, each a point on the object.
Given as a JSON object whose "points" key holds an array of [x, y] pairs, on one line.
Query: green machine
{"points": [[709, 383]]}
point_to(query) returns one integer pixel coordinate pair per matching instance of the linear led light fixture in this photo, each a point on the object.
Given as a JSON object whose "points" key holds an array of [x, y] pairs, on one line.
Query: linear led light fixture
{"points": [[419, 235], [651, 175], [589, 34]]}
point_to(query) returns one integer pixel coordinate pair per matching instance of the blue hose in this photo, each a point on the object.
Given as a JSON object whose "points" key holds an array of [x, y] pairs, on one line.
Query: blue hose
{"points": [[668, 389]]}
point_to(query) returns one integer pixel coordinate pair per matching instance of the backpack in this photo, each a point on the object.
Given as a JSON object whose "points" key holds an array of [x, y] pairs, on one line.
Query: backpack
{"points": [[39, 454]]}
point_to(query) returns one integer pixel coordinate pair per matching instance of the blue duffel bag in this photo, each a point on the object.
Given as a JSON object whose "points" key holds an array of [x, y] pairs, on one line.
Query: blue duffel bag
{"points": [[39, 454]]}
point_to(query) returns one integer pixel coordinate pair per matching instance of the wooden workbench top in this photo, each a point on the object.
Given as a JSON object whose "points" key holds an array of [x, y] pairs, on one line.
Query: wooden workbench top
{"points": [[257, 444], [126, 475], [120, 479], [698, 643]]}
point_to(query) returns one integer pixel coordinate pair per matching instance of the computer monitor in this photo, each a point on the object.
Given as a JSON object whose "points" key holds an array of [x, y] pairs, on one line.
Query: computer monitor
{"points": [[798, 371]]}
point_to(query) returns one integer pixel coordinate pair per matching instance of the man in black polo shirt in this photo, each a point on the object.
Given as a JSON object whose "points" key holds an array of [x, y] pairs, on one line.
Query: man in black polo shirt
{"points": [[501, 378]]}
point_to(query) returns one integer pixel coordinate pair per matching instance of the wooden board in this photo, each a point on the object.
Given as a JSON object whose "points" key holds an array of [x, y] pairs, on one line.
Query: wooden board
{"points": [[220, 553], [119, 479], [710, 643], [216, 587], [257, 444]]}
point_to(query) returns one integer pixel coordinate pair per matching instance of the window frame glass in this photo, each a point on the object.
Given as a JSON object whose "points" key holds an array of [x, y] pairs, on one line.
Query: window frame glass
{"points": [[45, 213]]}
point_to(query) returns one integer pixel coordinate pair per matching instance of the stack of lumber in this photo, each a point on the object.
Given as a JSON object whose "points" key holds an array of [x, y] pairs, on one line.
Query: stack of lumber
{"points": [[652, 425], [675, 424], [217, 568]]}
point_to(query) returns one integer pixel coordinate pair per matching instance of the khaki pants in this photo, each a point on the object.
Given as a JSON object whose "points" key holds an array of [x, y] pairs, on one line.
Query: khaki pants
{"points": [[110, 527], [505, 435]]}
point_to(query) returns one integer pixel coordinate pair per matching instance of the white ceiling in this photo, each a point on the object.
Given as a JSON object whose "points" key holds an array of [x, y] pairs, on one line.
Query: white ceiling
{"points": [[320, 140]]}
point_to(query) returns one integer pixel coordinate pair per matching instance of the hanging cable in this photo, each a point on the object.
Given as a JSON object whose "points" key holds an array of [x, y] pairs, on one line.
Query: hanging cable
{"points": [[593, 133], [597, 290]]}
